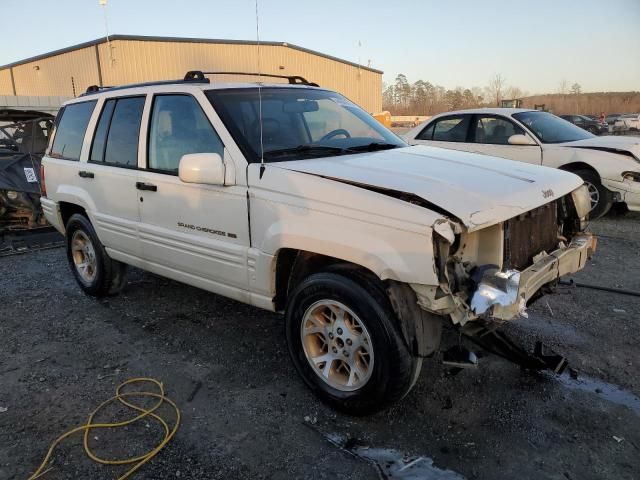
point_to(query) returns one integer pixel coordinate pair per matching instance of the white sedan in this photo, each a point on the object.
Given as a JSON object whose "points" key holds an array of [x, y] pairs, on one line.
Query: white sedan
{"points": [[630, 121], [610, 166]]}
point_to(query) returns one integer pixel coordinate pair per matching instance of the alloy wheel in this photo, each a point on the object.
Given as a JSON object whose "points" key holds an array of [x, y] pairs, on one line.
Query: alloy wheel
{"points": [[337, 345], [84, 256]]}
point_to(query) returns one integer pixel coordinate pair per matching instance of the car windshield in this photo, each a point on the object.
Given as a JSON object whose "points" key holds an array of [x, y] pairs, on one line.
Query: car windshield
{"points": [[551, 129], [298, 123]]}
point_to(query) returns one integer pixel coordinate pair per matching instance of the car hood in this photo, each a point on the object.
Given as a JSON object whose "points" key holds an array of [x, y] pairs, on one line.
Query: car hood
{"points": [[478, 190], [609, 143]]}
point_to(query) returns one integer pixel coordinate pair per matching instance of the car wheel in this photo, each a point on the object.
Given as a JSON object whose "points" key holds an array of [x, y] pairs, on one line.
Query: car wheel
{"points": [[601, 197], [343, 341], [96, 273]]}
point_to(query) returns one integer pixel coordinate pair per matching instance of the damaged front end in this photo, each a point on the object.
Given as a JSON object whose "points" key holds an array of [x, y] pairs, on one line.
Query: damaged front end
{"points": [[495, 272]]}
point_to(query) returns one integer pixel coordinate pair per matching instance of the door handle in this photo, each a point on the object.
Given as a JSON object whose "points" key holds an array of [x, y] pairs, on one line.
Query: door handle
{"points": [[85, 174], [146, 186]]}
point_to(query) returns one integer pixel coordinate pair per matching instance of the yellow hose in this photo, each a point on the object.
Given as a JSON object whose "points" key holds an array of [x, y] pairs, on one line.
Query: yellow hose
{"points": [[121, 397]]}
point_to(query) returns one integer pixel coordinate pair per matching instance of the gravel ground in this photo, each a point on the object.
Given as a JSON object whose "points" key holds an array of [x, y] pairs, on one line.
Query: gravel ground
{"points": [[246, 414]]}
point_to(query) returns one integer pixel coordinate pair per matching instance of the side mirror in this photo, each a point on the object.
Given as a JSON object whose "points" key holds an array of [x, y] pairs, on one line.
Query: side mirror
{"points": [[519, 139], [207, 168]]}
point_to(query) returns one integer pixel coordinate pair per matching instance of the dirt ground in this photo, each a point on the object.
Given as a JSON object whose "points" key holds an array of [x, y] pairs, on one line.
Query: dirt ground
{"points": [[246, 414]]}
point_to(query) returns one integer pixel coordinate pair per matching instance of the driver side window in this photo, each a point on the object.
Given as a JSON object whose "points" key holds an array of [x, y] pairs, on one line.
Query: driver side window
{"points": [[494, 130], [179, 127]]}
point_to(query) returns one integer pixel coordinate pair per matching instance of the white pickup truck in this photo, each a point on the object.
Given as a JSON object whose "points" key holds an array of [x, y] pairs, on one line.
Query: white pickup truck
{"points": [[291, 198]]}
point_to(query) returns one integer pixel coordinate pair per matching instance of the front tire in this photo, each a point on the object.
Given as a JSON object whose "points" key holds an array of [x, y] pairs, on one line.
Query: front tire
{"points": [[601, 197], [344, 342], [97, 274]]}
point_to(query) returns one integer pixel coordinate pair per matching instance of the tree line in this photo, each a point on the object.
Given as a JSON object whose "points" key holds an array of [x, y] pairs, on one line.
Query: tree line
{"points": [[425, 98]]}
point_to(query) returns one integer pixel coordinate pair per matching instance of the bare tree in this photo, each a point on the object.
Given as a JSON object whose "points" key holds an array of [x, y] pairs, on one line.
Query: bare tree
{"points": [[576, 89], [563, 87], [496, 86], [514, 92]]}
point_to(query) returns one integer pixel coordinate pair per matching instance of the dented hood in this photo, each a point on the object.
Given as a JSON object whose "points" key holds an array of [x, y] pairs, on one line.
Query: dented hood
{"points": [[609, 143], [479, 190]]}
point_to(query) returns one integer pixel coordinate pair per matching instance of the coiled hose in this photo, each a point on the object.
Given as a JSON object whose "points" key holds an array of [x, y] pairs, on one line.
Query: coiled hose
{"points": [[121, 397]]}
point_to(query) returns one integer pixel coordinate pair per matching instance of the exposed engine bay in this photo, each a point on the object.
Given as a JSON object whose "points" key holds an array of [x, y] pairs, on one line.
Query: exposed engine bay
{"points": [[495, 272]]}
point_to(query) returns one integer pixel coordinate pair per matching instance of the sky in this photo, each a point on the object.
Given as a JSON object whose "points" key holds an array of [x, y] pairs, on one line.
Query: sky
{"points": [[534, 45]]}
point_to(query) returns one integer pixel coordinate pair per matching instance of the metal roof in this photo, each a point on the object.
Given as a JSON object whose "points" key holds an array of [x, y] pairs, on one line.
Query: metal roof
{"points": [[143, 38]]}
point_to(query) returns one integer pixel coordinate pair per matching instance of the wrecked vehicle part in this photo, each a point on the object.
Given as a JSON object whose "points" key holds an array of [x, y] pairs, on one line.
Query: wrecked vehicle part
{"points": [[497, 288], [20, 192], [496, 272], [421, 330], [499, 343], [22, 145]]}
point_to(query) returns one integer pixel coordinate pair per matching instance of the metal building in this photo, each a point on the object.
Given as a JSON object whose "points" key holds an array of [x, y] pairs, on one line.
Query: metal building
{"points": [[122, 59]]}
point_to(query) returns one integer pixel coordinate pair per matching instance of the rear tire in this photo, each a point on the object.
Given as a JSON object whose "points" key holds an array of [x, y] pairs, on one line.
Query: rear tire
{"points": [[601, 197], [358, 381], [97, 274]]}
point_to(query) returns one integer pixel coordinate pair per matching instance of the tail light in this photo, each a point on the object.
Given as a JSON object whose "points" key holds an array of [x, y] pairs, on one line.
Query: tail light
{"points": [[43, 185]]}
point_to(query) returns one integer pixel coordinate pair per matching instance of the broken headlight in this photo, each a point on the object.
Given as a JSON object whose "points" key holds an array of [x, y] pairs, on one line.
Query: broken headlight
{"points": [[633, 176], [581, 201]]}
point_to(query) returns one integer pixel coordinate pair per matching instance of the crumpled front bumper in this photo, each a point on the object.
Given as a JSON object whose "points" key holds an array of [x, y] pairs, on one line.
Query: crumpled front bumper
{"points": [[504, 295]]}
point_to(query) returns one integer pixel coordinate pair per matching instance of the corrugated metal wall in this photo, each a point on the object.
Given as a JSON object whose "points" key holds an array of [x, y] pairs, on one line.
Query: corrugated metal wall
{"points": [[6, 87], [137, 61], [57, 75]]}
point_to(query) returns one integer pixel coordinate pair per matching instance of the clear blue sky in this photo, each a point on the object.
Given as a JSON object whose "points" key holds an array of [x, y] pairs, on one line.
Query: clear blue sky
{"points": [[533, 44]]}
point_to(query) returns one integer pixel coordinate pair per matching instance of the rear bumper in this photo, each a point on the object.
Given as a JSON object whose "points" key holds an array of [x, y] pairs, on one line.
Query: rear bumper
{"points": [[504, 295], [51, 212]]}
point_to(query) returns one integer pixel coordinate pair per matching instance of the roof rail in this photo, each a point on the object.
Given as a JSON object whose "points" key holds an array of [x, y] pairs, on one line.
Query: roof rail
{"points": [[197, 75], [96, 89]]}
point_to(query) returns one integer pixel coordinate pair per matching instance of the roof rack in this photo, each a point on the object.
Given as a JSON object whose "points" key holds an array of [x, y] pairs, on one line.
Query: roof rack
{"points": [[95, 88], [197, 75]]}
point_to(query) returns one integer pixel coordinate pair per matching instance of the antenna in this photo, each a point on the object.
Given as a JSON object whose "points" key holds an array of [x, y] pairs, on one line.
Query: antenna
{"points": [[103, 4], [262, 167]]}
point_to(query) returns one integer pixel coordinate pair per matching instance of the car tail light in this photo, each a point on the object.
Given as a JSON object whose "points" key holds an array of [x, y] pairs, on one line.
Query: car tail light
{"points": [[43, 186]]}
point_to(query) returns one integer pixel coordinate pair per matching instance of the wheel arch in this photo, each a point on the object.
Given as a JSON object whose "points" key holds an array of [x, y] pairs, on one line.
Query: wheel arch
{"points": [[292, 265], [421, 331], [67, 209], [577, 166]]}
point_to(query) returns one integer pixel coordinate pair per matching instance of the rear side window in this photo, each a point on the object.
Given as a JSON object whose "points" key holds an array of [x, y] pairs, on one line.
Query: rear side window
{"points": [[122, 137], [427, 133], [451, 129], [70, 131], [100, 136]]}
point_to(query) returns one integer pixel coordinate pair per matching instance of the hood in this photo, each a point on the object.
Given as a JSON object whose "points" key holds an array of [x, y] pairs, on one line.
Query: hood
{"points": [[609, 143], [478, 190]]}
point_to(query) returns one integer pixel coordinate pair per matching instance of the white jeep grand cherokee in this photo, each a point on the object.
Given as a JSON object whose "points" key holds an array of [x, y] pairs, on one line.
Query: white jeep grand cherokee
{"points": [[291, 198]]}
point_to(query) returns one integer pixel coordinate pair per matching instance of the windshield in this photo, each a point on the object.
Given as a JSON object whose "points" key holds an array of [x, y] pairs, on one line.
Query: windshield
{"points": [[551, 129], [298, 123]]}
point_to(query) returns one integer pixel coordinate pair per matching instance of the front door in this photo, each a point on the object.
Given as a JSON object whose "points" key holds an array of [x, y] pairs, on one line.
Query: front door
{"points": [[195, 233]]}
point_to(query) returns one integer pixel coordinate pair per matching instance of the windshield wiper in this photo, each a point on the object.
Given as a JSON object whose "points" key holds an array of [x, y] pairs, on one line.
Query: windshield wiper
{"points": [[306, 149], [371, 147]]}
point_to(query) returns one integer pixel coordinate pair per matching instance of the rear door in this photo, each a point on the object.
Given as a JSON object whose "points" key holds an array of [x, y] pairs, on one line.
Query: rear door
{"points": [[195, 233], [110, 172], [490, 135], [451, 131]]}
